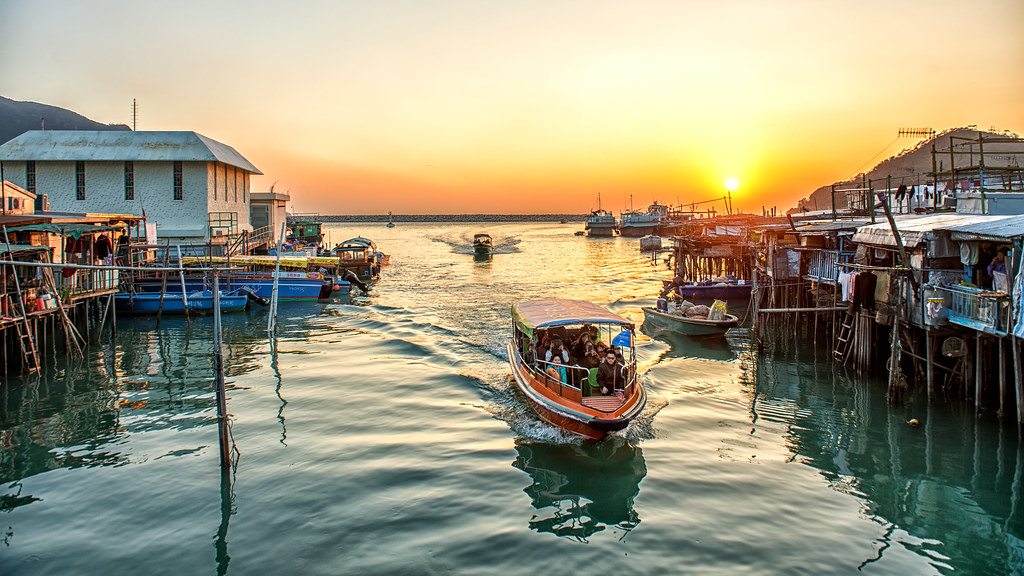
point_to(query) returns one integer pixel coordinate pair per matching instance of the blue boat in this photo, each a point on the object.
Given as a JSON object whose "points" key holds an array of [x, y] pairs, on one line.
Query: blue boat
{"points": [[291, 286], [173, 303]]}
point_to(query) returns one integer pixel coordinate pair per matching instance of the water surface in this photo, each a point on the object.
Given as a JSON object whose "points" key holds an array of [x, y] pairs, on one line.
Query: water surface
{"points": [[381, 434]]}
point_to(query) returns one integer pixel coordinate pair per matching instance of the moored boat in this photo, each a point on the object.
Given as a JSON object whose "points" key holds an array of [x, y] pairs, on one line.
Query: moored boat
{"points": [[637, 224], [650, 242], [691, 326], [174, 303], [571, 398], [482, 243]]}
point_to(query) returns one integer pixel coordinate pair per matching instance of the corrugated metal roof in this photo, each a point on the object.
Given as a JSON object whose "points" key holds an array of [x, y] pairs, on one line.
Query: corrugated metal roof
{"points": [[119, 146], [831, 226], [917, 230], [1006, 228]]}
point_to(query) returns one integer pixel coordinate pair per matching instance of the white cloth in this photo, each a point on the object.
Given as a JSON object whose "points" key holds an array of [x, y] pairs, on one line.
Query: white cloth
{"points": [[846, 282], [969, 253]]}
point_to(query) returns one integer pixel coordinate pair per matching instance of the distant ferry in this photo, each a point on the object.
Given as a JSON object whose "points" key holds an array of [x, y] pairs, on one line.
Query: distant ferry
{"points": [[636, 224]]}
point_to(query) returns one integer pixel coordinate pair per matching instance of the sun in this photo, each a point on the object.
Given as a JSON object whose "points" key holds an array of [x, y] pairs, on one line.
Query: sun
{"points": [[732, 184]]}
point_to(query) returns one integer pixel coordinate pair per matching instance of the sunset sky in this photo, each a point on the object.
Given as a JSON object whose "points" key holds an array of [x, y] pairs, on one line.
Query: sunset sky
{"points": [[526, 106]]}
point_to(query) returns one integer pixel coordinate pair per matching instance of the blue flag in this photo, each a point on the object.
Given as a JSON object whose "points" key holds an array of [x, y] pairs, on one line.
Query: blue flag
{"points": [[621, 339]]}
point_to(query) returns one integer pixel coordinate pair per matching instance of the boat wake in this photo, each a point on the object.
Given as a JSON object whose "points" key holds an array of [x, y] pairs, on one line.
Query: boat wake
{"points": [[464, 244]]}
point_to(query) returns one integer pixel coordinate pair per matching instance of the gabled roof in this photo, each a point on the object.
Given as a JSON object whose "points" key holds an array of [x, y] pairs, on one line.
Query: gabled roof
{"points": [[120, 146]]}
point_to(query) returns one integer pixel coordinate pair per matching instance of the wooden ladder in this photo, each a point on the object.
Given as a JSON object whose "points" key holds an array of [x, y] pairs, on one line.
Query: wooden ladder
{"points": [[28, 345], [842, 351]]}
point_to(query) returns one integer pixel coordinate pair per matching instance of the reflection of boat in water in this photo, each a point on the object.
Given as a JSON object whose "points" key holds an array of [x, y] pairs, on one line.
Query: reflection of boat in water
{"points": [[482, 243], [581, 489], [681, 346], [689, 325], [569, 396]]}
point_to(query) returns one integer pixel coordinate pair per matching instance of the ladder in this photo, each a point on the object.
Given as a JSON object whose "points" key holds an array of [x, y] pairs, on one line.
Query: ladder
{"points": [[28, 344], [842, 351]]}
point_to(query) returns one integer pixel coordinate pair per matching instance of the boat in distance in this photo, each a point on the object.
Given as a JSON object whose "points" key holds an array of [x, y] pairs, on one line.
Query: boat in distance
{"points": [[482, 243], [570, 394], [689, 325]]}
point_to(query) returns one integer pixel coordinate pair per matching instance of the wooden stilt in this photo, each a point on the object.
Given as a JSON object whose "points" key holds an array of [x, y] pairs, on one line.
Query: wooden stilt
{"points": [[977, 375]]}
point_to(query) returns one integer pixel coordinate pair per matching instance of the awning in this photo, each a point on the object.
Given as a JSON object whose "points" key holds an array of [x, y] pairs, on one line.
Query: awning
{"points": [[560, 312], [22, 248], [75, 229], [1008, 228], [918, 230]]}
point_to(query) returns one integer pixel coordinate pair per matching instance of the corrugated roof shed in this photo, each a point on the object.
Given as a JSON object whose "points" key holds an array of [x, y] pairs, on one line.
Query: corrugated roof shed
{"points": [[1006, 228], [917, 230], [118, 146]]}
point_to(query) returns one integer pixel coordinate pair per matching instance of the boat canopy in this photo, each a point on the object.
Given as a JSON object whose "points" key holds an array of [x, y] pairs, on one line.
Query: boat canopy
{"points": [[534, 314], [358, 241]]}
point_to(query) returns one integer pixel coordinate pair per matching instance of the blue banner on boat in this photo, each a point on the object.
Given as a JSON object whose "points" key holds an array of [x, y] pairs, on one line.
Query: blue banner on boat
{"points": [[622, 339]]}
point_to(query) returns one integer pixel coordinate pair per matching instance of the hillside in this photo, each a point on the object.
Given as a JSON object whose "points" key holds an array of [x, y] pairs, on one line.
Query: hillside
{"points": [[18, 117], [909, 167]]}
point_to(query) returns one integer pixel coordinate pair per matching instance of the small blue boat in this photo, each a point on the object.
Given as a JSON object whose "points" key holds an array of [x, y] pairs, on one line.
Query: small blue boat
{"points": [[149, 302]]}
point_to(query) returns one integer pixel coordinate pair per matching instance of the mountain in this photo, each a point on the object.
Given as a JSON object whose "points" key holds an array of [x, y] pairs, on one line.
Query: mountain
{"points": [[910, 166], [19, 117]]}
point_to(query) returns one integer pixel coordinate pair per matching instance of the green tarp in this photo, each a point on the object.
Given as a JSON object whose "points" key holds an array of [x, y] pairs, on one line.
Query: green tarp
{"points": [[74, 230]]}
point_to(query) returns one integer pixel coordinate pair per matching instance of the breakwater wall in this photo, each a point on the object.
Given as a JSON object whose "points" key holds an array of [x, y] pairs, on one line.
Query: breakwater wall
{"points": [[436, 217]]}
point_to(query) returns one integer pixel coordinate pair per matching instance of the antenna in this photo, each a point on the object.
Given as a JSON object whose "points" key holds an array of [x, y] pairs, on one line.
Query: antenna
{"points": [[134, 114], [916, 132]]}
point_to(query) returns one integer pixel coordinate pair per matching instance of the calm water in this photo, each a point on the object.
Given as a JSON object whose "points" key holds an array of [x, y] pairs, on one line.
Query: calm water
{"points": [[382, 435]]}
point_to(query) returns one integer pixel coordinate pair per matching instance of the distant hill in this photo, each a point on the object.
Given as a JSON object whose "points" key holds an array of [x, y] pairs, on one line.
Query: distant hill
{"points": [[909, 167], [19, 117]]}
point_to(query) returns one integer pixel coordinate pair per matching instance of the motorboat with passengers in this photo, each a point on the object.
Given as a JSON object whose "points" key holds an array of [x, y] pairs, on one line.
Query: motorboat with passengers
{"points": [[588, 400]]}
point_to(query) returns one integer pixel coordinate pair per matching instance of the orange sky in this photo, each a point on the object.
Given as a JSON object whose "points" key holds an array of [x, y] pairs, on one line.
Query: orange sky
{"points": [[463, 106]]}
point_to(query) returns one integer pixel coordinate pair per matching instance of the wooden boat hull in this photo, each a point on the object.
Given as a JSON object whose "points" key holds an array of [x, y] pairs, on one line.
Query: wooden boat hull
{"points": [[291, 286], [691, 326], [694, 292], [149, 303], [544, 396]]}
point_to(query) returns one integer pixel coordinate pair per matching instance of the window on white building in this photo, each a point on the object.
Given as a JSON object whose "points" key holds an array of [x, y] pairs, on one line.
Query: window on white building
{"points": [[30, 176], [129, 181], [80, 180], [178, 192]]}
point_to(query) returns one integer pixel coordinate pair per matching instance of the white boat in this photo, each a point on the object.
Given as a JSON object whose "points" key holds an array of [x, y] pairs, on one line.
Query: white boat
{"points": [[650, 242], [601, 222]]}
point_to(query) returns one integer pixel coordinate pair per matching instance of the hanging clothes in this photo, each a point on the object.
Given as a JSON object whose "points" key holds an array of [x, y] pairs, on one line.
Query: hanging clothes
{"points": [[846, 283], [863, 291], [103, 247]]}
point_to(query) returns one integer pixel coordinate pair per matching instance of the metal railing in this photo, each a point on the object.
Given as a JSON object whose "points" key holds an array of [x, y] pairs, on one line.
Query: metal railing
{"points": [[982, 310]]}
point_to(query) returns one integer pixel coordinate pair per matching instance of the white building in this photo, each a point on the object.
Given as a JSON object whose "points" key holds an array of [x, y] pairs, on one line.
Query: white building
{"points": [[192, 187]]}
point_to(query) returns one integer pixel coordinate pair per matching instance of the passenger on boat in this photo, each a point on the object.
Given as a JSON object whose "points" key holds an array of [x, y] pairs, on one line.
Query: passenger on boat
{"points": [[609, 377], [590, 358], [555, 369], [583, 341], [557, 349]]}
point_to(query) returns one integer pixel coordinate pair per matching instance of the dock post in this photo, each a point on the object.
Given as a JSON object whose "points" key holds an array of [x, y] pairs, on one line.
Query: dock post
{"points": [[928, 357], [1002, 377], [218, 365], [977, 374], [1019, 382]]}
